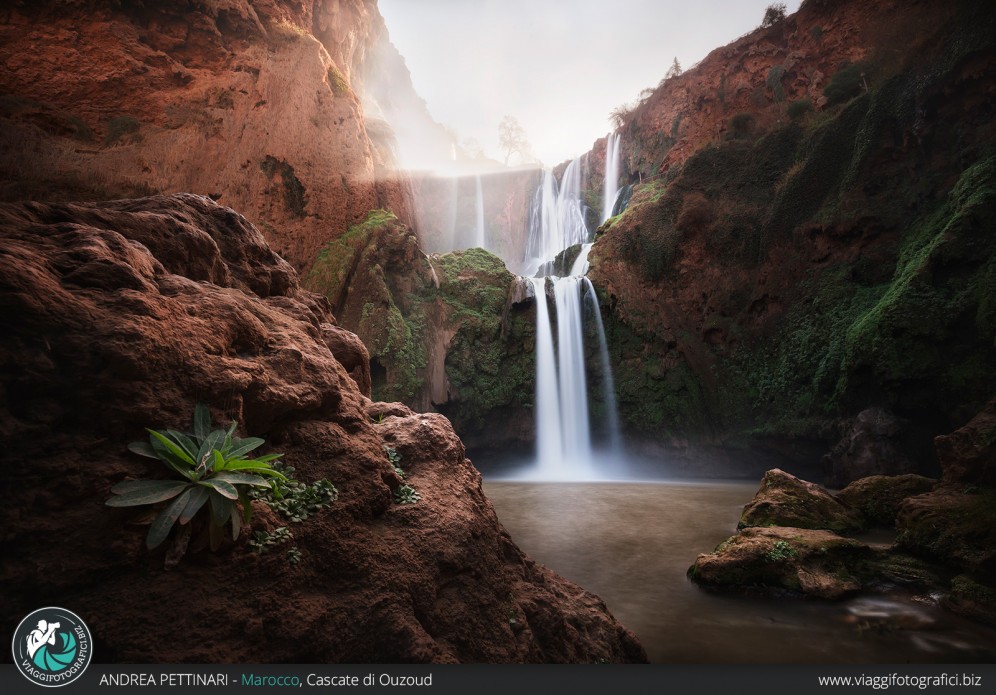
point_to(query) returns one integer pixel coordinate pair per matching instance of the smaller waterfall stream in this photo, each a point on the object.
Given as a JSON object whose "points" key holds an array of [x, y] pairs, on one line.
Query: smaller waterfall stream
{"points": [[608, 383], [480, 238], [611, 191]]}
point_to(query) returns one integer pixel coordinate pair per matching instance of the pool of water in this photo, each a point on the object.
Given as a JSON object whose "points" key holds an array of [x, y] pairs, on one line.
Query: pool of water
{"points": [[631, 543]]}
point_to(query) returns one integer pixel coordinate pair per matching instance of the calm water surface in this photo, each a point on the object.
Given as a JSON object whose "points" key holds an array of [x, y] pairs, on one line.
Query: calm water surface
{"points": [[631, 544]]}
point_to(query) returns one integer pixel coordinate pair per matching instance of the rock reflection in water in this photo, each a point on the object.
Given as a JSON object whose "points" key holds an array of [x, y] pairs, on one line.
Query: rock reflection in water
{"points": [[631, 544]]}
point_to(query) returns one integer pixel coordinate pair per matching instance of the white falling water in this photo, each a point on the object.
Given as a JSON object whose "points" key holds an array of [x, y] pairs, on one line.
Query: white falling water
{"points": [[575, 429], [556, 218], [611, 191], [608, 383], [549, 439], [480, 240], [581, 264]]}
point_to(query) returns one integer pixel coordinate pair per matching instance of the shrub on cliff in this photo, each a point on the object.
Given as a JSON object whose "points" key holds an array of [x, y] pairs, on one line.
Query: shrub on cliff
{"points": [[845, 83], [741, 126], [798, 109]]}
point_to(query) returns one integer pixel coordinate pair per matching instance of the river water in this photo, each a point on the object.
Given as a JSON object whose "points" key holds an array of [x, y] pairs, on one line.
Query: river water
{"points": [[631, 544]]}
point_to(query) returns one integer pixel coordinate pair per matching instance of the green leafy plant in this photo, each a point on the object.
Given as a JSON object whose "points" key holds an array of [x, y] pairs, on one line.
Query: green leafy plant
{"points": [[294, 499], [406, 494], [213, 471], [394, 458], [262, 541]]}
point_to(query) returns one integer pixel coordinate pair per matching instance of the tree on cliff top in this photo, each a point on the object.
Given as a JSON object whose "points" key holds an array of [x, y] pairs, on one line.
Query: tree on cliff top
{"points": [[512, 139], [773, 14], [674, 70]]}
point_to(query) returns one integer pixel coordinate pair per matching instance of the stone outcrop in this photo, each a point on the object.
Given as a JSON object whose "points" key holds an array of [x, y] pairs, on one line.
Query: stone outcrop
{"points": [[448, 332], [784, 500], [123, 315], [259, 104], [878, 497], [813, 562]]}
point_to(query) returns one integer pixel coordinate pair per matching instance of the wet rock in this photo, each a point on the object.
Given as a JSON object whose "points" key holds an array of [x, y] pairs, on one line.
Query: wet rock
{"points": [[872, 447], [106, 334], [813, 562], [784, 500], [878, 497]]}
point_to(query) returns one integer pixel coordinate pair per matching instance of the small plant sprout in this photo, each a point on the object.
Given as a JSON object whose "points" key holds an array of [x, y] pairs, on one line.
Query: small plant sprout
{"points": [[394, 458], [406, 494], [213, 471], [262, 541], [295, 500]]}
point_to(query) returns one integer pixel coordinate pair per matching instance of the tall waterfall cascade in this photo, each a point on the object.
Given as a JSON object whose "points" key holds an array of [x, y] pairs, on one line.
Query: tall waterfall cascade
{"points": [[564, 446]]}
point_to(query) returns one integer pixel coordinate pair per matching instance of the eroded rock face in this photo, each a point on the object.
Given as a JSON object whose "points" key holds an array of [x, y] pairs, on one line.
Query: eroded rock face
{"points": [[784, 500], [123, 316], [257, 103]]}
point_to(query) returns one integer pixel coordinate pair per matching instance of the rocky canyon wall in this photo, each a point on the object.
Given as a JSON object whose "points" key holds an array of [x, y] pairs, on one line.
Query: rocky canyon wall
{"points": [[258, 104], [814, 240]]}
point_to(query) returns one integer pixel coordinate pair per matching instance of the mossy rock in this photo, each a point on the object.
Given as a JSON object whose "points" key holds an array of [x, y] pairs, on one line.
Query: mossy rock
{"points": [[955, 525], [812, 562], [972, 598], [878, 497], [784, 500]]}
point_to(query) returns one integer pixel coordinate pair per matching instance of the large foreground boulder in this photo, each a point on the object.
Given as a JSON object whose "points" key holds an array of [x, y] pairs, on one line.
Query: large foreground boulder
{"points": [[122, 316]]}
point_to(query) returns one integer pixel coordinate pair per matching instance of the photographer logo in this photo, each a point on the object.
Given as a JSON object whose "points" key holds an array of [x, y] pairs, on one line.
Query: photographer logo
{"points": [[52, 647]]}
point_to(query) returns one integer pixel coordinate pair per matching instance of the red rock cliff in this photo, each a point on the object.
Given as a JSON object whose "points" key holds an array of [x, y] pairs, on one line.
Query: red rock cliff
{"points": [[256, 103]]}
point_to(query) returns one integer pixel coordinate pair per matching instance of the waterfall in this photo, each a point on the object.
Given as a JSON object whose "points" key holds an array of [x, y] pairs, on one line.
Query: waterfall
{"points": [[480, 240], [563, 428], [608, 383], [575, 429], [549, 440], [556, 218], [611, 175]]}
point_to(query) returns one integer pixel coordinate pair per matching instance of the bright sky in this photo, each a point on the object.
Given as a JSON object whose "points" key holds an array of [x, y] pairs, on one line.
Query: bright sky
{"points": [[558, 66]]}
